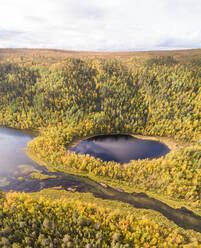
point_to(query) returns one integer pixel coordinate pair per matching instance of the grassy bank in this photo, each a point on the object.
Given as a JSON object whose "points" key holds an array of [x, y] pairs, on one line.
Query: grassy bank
{"points": [[62, 219]]}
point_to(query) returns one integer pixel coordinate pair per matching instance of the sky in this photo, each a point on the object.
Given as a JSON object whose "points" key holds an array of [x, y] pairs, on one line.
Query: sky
{"points": [[101, 25]]}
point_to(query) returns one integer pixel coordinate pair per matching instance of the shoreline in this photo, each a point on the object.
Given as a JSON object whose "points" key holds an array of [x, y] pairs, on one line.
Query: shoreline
{"points": [[171, 143]]}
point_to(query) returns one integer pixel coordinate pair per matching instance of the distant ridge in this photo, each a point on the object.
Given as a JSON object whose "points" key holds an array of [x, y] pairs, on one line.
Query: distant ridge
{"points": [[181, 55]]}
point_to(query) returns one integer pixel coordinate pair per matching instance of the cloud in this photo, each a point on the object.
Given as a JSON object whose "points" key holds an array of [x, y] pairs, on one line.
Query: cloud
{"points": [[86, 10], [101, 25], [9, 34], [191, 41]]}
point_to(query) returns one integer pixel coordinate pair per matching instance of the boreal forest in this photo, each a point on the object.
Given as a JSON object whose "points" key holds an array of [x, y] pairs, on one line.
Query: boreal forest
{"points": [[66, 97]]}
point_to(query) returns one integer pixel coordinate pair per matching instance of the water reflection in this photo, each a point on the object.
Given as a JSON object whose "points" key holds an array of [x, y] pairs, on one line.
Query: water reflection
{"points": [[15, 163], [12, 154], [120, 148]]}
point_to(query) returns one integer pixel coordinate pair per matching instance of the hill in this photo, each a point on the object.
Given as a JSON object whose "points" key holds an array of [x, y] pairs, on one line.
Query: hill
{"points": [[68, 96]]}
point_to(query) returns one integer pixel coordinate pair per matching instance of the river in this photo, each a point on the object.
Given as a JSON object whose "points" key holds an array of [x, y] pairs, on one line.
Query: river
{"points": [[16, 167]]}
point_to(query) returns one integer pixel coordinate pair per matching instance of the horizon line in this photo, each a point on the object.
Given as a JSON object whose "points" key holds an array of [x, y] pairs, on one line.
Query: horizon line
{"points": [[99, 51]]}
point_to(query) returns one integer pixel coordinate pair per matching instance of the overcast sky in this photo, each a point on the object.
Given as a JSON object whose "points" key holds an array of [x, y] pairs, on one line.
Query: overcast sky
{"points": [[101, 25]]}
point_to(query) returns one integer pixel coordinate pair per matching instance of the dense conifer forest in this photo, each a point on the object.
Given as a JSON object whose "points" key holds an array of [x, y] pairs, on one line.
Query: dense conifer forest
{"points": [[67, 98]]}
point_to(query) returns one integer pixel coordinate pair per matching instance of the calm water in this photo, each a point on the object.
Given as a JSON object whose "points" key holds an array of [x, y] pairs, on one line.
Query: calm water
{"points": [[15, 163], [12, 154], [120, 148]]}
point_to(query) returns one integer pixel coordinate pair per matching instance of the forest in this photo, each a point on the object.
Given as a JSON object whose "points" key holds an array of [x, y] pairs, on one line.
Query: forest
{"points": [[69, 98]]}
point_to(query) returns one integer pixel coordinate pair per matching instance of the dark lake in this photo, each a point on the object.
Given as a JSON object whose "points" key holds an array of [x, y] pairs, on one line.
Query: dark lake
{"points": [[120, 148], [15, 163]]}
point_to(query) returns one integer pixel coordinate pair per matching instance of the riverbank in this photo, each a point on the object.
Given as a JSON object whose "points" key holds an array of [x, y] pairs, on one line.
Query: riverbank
{"points": [[100, 190], [59, 218], [121, 185], [137, 176]]}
